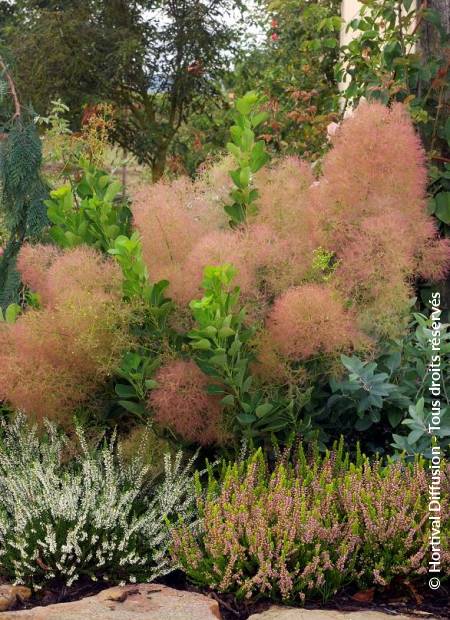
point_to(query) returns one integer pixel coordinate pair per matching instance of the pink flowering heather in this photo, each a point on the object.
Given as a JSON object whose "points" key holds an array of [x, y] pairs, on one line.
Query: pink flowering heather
{"points": [[181, 403], [390, 514], [306, 530]]}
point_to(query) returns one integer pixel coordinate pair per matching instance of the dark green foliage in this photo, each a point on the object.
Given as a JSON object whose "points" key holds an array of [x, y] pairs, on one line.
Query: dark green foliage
{"points": [[22, 187], [137, 369], [293, 67], [65, 49], [184, 63], [439, 189], [9, 277], [156, 62]]}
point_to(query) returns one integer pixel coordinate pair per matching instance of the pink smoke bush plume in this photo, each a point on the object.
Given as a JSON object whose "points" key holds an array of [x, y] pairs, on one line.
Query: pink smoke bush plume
{"points": [[367, 211], [182, 403], [303, 322], [326, 265], [55, 357]]}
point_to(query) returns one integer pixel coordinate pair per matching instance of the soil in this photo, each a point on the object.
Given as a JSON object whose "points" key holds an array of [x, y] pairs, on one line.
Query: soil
{"points": [[401, 597]]}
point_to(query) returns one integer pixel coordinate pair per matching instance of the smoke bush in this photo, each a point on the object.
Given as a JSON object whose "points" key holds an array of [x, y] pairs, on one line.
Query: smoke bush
{"points": [[182, 403], [33, 264], [283, 193], [325, 265], [286, 209], [247, 250], [171, 218], [371, 201], [366, 214], [434, 259], [310, 527], [367, 170], [97, 517], [311, 310], [55, 357]]}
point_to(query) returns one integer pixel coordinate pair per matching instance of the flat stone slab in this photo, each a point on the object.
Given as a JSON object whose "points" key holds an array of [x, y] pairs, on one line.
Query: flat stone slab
{"points": [[140, 602], [291, 613]]}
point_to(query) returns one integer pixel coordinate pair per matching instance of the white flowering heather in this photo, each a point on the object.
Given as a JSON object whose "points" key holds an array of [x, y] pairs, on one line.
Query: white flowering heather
{"points": [[96, 516]]}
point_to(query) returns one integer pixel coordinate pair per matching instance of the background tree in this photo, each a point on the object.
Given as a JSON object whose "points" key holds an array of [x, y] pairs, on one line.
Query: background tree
{"points": [[430, 40], [184, 64], [156, 61], [73, 49]]}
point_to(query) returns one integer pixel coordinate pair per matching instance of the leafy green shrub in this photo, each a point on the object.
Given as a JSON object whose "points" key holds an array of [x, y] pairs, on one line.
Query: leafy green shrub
{"points": [[364, 391], [250, 156], [310, 527], [220, 346], [88, 213], [98, 516]]}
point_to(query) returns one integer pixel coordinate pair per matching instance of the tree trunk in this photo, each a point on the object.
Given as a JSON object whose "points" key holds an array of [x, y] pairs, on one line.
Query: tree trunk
{"points": [[429, 36], [159, 165]]}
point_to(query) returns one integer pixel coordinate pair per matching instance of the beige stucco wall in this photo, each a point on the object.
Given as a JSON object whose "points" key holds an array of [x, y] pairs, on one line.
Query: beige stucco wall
{"points": [[349, 10]]}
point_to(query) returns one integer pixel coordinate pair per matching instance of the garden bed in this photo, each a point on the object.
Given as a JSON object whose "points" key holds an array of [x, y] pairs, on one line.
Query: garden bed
{"points": [[228, 393]]}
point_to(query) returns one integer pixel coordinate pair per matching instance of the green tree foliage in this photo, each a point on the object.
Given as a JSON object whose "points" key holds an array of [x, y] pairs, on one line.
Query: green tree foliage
{"points": [[294, 67], [156, 61], [184, 62], [72, 49], [6, 12], [22, 187]]}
